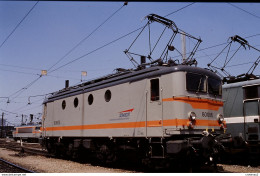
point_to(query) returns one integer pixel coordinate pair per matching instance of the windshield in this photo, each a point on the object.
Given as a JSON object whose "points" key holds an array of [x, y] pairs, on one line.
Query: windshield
{"points": [[201, 83], [196, 82], [215, 86]]}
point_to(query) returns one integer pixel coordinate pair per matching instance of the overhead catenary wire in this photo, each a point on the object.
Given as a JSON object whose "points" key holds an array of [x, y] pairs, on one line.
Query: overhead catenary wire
{"points": [[243, 43], [8, 111], [26, 87], [109, 43], [27, 73], [18, 24], [245, 11], [200, 56], [20, 91], [25, 106], [180, 9], [119, 38], [252, 35], [21, 67], [131, 33], [217, 45], [17, 93], [85, 38], [39, 69], [104, 46]]}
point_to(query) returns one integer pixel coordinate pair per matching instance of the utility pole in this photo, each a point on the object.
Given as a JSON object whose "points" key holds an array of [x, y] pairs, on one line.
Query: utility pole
{"points": [[183, 41], [2, 128]]}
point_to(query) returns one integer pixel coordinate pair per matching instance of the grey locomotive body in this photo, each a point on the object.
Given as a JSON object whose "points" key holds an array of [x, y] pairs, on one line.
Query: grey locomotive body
{"points": [[30, 133], [161, 112], [242, 112]]}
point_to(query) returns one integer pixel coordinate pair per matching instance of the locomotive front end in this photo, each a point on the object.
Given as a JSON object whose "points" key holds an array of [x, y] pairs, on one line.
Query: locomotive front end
{"points": [[198, 117]]}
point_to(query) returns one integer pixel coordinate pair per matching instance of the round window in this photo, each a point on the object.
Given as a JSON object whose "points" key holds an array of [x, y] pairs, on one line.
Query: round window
{"points": [[63, 104], [108, 95], [76, 102], [90, 99]]}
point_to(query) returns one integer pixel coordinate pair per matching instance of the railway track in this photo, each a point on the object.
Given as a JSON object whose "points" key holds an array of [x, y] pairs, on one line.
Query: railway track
{"points": [[27, 148], [8, 167], [36, 150]]}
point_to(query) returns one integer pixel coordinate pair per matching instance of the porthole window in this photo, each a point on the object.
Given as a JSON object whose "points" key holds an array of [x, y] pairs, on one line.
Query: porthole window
{"points": [[76, 102], [63, 104], [90, 99], [108, 95]]}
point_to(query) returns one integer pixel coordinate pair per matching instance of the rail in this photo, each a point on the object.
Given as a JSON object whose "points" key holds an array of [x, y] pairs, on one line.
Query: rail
{"points": [[16, 166]]}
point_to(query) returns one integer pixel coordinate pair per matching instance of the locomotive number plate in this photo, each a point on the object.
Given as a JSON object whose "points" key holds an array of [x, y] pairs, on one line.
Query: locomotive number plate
{"points": [[207, 114]]}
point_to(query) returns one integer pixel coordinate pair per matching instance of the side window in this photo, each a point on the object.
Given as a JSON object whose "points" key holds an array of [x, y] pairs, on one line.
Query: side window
{"points": [[90, 99], [76, 102], [63, 104], [251, 92], [155, 89], [108, 95]]}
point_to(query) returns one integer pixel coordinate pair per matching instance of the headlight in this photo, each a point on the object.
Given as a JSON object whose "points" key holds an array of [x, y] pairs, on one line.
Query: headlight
{"points": [[220, 118], [192, 116]]}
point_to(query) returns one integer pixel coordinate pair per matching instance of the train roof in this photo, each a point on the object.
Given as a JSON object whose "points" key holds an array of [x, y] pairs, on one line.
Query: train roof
{"points": [[242, 84], [124, 76]]}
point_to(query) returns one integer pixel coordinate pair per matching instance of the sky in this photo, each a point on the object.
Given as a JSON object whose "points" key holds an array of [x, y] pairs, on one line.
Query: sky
{"points": [[71, 37]]}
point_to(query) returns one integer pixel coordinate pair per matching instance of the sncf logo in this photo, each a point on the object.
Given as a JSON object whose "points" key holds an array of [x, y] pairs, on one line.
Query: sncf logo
{"points": [[126, 113]]}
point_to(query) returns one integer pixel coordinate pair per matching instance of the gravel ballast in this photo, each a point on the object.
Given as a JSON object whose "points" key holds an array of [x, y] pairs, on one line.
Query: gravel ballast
{"points": [[43, 164]]}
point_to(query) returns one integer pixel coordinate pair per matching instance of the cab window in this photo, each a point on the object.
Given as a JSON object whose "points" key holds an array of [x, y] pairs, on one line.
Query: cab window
{"points": [[251, 92], [214, 86], [196, 82], [155, 92]]}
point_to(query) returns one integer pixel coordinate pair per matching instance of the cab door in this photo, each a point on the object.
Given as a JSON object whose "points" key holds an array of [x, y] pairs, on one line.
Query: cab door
{"points": [[251, 119], [154, 119], [251, 112]]}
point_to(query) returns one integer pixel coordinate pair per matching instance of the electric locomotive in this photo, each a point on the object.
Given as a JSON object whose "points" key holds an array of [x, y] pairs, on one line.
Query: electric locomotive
{"points": [[241, 103], [157, 112], [30, 133], [242, 112]]}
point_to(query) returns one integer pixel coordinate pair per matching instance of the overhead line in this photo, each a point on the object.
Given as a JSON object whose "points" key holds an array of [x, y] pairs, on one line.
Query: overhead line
{"points": [[38, 74], [217, 45], [26, 87], [8, 111], [114, 41], [252, 36], [6, 65], [18, 24], [224, 43], [244, 10], [179, 9], [18, 72], [240, 64], [25, 106], [109, 43], [38, 69], [215, 53], [85, 38]]}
